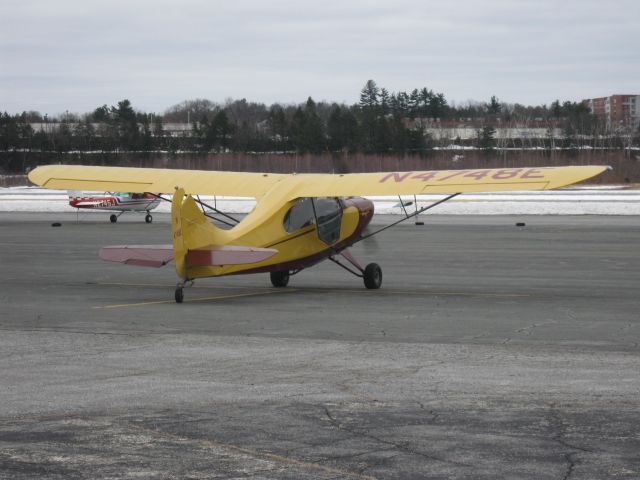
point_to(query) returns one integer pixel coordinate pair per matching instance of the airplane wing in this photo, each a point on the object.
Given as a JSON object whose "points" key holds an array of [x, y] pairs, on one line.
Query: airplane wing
{"points": [[154, 180], [250, 184], [443, 181]]}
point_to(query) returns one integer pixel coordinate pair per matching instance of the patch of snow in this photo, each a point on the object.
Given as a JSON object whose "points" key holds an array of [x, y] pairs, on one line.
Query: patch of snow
{"points": [[597, 200]]}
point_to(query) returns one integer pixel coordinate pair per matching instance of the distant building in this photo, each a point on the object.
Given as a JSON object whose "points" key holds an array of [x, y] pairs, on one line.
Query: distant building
{"points": [[168, 129], [616, 110]]}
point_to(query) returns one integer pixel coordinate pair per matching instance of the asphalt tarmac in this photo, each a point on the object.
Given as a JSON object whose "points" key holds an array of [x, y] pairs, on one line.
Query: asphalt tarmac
{"points": [[491, 351]]}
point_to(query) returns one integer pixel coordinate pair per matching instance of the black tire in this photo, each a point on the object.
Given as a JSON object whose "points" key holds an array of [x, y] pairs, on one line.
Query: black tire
{"points": [[280, 279], [148, 218], [113, 218], [179, 295], [372, 276]]}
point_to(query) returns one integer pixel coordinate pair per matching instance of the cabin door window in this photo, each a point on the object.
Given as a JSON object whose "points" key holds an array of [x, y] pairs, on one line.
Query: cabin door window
{"points": [[328, 212]]}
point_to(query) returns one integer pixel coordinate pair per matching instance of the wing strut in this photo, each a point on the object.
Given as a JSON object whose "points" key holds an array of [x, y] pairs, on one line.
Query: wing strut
{"points": [[202, 204], [410, 215], [219, 212]]}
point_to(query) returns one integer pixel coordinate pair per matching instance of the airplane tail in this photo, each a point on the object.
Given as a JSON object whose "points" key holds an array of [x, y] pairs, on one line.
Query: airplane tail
{"points": [[75, 197], [190, 229], [198, 243]]}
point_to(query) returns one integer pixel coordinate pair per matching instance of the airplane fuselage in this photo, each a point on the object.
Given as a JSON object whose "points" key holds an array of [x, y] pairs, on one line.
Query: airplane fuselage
{"points": [[117, 203], [304, 232]]}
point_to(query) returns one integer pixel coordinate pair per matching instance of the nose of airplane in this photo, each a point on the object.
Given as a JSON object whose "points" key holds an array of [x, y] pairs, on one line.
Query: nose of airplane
{"points": [[366, 209]]}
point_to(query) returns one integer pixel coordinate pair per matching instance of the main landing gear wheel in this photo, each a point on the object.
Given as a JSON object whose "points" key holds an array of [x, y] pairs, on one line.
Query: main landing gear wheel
{"points": [[280, 279], [372, 276], [179, 295], [113, 218], [148, 218]]}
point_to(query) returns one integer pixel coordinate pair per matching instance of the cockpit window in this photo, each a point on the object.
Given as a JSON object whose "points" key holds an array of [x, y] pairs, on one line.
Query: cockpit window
{"points": [[328, 212], [300, 215]]}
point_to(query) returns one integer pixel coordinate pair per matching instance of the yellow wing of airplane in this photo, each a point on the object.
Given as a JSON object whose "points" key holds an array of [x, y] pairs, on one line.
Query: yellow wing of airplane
{"points": [[153, 180], [250, 184], [443, 181]]}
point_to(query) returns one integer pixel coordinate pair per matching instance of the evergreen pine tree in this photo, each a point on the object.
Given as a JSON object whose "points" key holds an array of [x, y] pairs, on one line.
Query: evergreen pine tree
{"points": [[494, 107], [335, 131], [384, 101], [369, 96]]}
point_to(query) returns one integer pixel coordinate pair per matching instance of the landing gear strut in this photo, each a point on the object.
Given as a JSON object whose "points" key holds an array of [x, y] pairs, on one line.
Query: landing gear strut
{"points": [[371, 274]]}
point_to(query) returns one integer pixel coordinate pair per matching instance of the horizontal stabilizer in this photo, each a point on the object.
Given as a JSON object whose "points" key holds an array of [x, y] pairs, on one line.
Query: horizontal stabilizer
{"points": [[227, 255], [141, 255]]}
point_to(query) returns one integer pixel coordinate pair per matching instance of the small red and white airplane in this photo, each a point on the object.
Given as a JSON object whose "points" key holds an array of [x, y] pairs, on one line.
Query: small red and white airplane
{"points": [[118, 202]]}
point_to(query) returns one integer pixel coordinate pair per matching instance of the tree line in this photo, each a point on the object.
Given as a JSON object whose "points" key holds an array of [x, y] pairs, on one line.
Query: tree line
{"points": [[382, 122]]}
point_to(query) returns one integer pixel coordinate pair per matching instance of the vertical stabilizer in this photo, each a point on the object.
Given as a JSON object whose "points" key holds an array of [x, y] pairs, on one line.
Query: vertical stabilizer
{"points": [[191, 230], [179, 250]]}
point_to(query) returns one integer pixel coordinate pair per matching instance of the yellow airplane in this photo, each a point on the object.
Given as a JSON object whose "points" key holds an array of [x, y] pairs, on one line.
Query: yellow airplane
{"points": [[299, 219]]}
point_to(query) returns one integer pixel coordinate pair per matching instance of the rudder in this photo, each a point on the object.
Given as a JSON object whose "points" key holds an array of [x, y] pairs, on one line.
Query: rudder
{"points": [[191, 230]]}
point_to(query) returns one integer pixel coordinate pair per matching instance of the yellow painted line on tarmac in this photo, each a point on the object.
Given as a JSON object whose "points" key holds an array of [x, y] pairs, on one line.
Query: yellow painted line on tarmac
{"points": [[164, 285], [199, 299], [123, 305]]}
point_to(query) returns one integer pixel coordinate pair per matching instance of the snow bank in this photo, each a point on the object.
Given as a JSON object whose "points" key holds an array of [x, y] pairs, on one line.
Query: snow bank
{"points": [[574, 201]]}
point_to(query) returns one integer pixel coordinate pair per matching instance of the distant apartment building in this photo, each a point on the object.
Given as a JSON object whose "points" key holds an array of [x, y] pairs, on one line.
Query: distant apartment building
{"points": [[616, 110]]}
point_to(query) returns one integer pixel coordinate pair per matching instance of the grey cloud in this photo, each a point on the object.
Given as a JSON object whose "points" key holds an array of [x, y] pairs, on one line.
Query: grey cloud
{"points": [[76, 55]]}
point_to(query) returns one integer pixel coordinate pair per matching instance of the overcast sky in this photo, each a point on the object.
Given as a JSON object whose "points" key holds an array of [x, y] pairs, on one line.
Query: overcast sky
{"points": [[75, 55]]}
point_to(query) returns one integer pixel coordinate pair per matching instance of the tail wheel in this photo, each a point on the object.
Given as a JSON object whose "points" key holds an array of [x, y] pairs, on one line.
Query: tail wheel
{"points": [[148, 218], [113, 218], [280, 279], [179, 295], [372, 276]]}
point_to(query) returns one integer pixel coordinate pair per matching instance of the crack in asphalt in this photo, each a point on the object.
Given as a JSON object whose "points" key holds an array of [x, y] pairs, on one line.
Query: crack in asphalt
{"points": [[398, 446], [626, 328], [254, 453], [559, 430], [433, 413], [533, 326], [527, 330], [572, 464]]}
